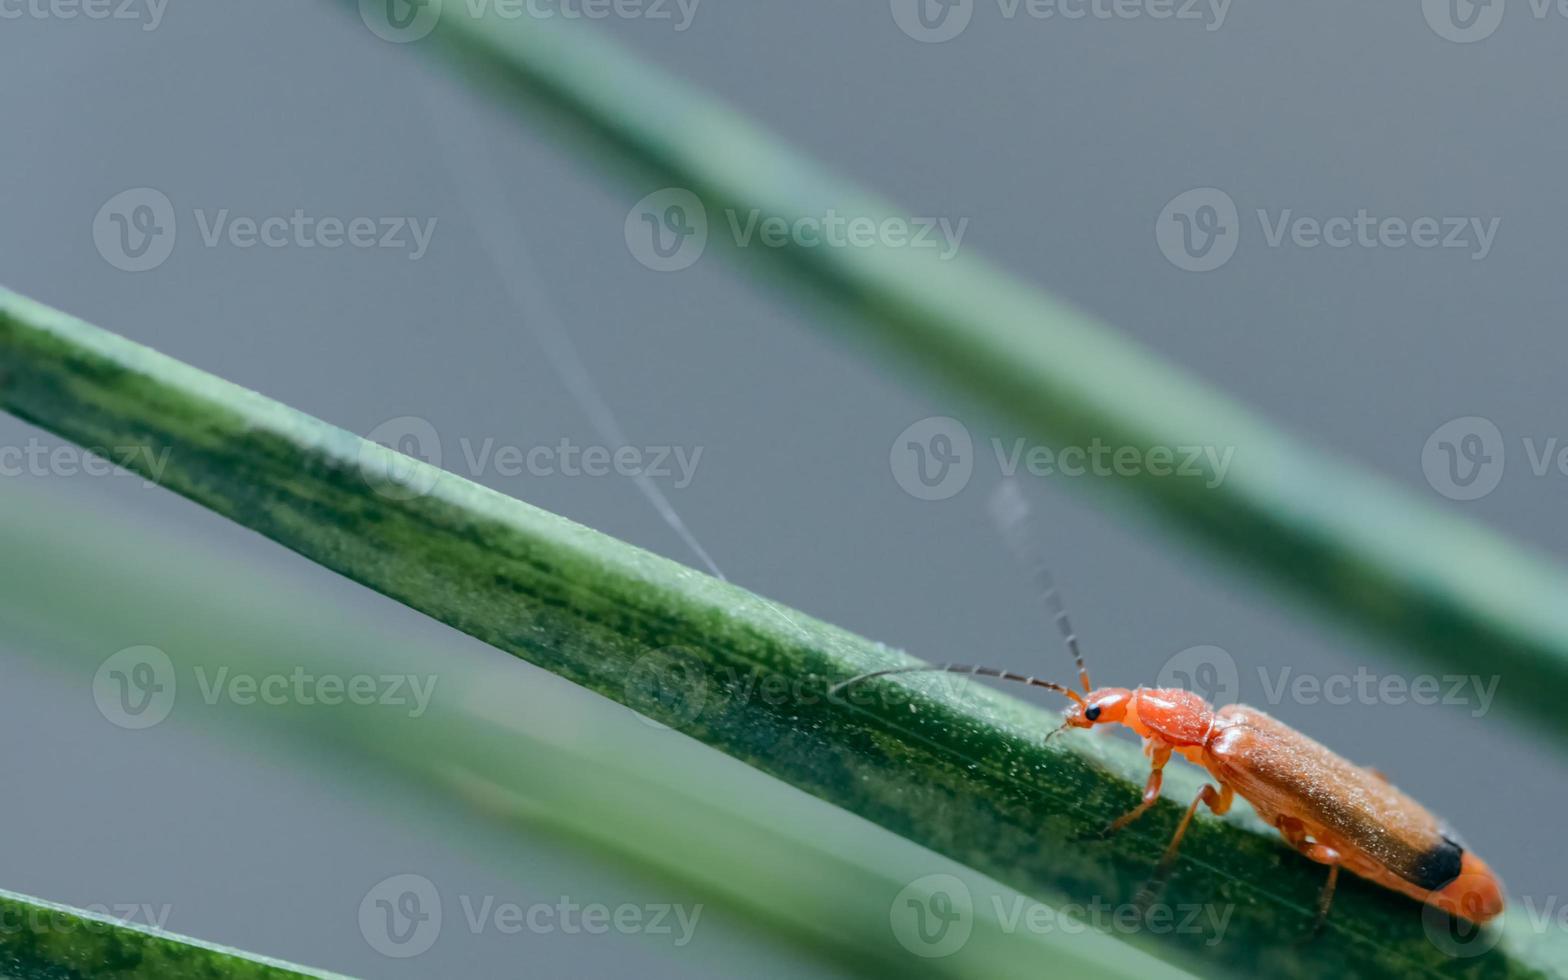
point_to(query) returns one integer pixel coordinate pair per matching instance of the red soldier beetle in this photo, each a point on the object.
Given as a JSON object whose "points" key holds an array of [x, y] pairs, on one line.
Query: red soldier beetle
{"points": [[1330, 810]]}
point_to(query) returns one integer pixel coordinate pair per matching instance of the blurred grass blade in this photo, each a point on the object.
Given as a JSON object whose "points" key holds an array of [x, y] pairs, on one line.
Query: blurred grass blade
{"points": [[1461, 597], [521, 746], [43, 941], [965, 776]]}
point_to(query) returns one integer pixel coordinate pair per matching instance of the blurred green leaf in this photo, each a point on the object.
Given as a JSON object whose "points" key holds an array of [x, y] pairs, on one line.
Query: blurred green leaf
{"points": [[1456, 595], [520, 746], [43, 941], [962, 770]]}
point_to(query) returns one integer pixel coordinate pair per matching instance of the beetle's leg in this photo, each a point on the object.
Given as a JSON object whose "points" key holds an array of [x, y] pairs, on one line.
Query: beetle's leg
{"points": [[1295, 832], [1330, 857], [1159, 755], [1219, 801]]}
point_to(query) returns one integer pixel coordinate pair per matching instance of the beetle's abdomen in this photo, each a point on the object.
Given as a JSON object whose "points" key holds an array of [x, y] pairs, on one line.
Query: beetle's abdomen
{"points": [[1383, 833], [1475, 894]]}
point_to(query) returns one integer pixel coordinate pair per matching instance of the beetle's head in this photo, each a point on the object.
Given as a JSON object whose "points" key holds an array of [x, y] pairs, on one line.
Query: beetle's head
{"points": [[1106, 706]]}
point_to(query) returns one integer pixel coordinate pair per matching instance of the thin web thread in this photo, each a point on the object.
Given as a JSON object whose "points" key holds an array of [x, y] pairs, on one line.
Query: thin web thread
{"points": [[508, 251], [514, 265]]}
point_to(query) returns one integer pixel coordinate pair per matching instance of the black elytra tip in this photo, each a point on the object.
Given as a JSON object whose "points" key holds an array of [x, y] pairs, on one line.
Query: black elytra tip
{"points": [[1438, 867]]}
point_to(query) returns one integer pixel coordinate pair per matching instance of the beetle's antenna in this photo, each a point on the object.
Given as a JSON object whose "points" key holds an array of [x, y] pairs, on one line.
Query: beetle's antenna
{"points": [[1011, 513], [1057, 731], [961, 669]]}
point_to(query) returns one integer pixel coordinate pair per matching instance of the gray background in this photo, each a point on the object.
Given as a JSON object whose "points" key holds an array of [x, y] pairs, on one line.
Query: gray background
{"points": [[1060, 141]]}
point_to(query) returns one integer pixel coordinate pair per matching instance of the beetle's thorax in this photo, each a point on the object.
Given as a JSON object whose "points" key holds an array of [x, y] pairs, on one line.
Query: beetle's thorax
{"points": [[1174, 716]]}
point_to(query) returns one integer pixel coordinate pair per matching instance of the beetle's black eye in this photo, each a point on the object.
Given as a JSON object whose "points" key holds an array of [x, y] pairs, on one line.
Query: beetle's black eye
{"points": [[1093, 714]]}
